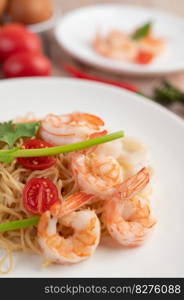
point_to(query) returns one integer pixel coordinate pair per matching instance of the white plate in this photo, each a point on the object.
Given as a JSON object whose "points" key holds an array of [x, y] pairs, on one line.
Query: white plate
{"points": [[162, 131], [77, 29]]}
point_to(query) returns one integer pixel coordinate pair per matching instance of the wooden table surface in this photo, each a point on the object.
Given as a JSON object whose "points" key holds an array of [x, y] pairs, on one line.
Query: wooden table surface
{"points": [[144, 84]]}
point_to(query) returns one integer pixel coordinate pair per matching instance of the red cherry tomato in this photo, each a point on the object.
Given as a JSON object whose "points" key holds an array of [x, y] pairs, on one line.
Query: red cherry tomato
{"points": [[15, 41], [36, 163], [27, 64], [39, 195], [144, 57], [14, 27]]}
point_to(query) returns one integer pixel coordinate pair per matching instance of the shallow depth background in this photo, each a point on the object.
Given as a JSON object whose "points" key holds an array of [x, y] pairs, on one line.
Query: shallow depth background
{"points": [[174, 6], [146, 85]]}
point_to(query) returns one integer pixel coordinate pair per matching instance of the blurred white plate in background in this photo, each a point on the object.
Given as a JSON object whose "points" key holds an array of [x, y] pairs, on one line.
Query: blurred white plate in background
{"points": [[159, 129], [77, 29]]}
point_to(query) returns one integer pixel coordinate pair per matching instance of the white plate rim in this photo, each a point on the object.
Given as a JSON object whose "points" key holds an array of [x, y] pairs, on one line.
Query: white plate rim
{"points": [[146, 100]]}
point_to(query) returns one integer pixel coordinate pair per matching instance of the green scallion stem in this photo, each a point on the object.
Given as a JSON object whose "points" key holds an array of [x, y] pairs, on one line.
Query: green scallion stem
{"points": [[15, 225], [65, 148]]}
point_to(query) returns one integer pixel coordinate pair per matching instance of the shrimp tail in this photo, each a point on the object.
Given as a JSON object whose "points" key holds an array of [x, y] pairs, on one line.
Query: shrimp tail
{"points": [[93, 136], [89, 118], [135, 184], [71, 204], [98, 134]]}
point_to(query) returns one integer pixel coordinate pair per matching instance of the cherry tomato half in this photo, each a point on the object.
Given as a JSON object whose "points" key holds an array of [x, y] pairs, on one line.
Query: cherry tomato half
{"points": [[144, 57], [36, 163], [18, 40], [39, 195], [27, 64]]}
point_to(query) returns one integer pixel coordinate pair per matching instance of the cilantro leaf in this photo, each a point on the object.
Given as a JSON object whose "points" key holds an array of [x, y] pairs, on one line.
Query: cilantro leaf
{"points": [[142, 31], [10, 132]]}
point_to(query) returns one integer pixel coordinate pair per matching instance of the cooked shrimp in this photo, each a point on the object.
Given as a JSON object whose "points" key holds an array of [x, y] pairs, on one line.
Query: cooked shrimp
{"points": [[113, 149], [28, 118], [72, 203], [116, 45], [127, 216], [120, 45], [96, 174], [69, 128], [152, 45], [79, 233], [133, 155]]}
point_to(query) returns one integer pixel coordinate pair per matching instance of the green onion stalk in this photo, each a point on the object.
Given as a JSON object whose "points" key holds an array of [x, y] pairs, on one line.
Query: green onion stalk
{"points": [[8, 156]]}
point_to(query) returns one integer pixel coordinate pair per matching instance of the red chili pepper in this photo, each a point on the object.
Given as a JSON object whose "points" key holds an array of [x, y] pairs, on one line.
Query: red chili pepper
{"points": [[80, 74]]}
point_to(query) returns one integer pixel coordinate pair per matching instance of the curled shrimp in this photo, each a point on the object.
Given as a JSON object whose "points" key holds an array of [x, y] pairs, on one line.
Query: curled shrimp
{"points": [[69, 128], [133, 155], [79, 233], [113, 149], [95, 171], [127, 216], [152, 45], [96, 174]]}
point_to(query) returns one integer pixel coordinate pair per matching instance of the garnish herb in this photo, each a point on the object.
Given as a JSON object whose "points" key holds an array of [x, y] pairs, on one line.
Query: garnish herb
{"points": [[10, 132], [142, 31], [7, 156], [15, 225], [167, 94]]}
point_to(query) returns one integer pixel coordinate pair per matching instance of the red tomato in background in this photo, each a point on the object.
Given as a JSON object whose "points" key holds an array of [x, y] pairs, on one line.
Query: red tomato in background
{"points": [[14, 27], [36, 163], [18, 40], [39, 195], [27, 64]]}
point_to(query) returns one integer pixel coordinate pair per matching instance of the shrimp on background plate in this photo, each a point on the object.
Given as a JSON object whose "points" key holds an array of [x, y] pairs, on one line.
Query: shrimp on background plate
{"points": [[69, 236], [117, 45], [140, 46], [152, 45], [69, 128], [128, 217]]}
